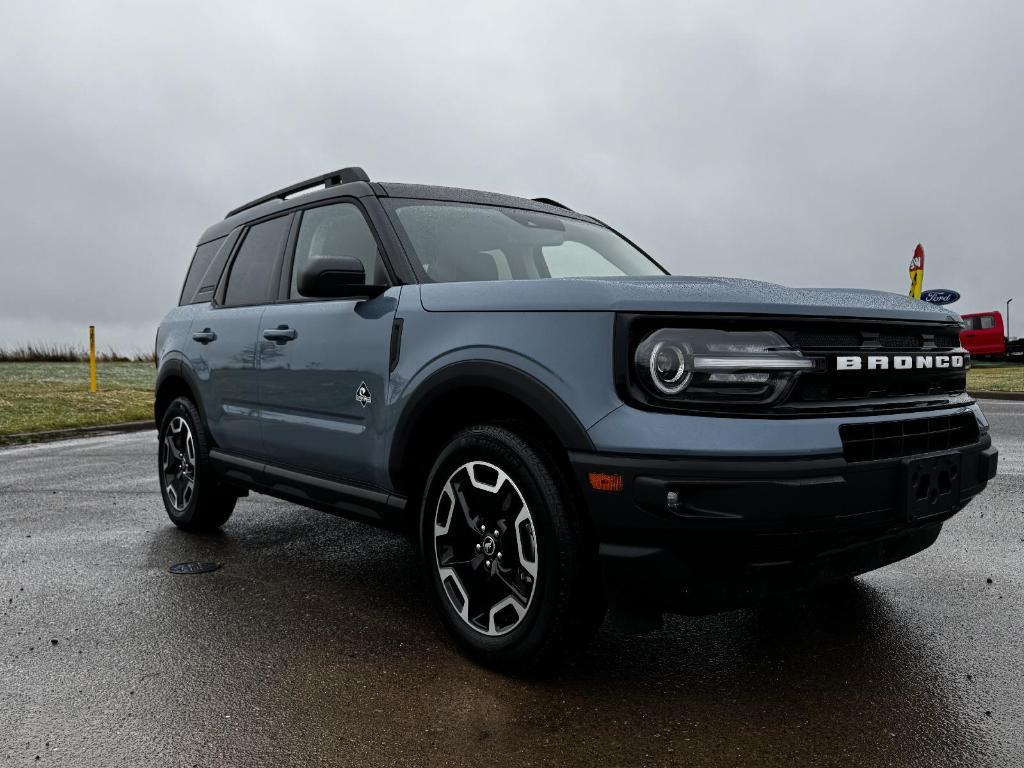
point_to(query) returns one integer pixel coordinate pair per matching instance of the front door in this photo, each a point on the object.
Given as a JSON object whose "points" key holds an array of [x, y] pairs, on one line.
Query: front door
{"points": [[324, 363]]}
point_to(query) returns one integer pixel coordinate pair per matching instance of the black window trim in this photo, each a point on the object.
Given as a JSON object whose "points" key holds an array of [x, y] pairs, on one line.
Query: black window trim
{"points": [[217, 302], [285, 275]]}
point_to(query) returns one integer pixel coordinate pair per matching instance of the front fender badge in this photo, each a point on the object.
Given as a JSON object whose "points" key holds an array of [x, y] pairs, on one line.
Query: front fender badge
{"points": [[363, 396]]}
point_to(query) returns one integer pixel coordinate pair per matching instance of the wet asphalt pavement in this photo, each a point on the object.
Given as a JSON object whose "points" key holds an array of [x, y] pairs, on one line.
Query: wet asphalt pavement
{"points": [[315, 644]]}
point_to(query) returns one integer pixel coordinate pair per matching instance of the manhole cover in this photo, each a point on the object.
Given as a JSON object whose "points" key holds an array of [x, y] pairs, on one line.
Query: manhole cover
{"points": [[194, 567]]}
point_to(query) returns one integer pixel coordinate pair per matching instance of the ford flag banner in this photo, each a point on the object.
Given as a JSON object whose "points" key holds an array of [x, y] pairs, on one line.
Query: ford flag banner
{"points": [[940, 296]]}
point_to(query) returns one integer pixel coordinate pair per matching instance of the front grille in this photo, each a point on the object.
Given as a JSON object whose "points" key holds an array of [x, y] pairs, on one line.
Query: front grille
{"points": [[899, 341], [828, 340], [814, 388], [868, 340], [895, 439]]}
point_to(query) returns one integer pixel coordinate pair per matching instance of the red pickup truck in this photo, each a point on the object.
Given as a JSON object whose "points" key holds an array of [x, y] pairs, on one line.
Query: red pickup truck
{"points": [[985, 336]]}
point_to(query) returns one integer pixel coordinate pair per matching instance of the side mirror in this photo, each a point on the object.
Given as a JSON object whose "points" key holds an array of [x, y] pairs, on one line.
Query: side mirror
{"points": [[336, 277]]}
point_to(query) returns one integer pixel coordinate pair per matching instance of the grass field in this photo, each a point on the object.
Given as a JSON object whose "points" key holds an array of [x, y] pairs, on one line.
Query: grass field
{"points": [[36, 397], [996, 377]]}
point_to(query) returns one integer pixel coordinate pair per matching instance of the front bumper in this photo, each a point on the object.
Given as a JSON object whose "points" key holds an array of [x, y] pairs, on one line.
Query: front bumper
{"points": [[744, 528]]}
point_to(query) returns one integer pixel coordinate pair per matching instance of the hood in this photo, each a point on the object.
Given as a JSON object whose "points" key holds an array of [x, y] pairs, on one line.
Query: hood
{"points": [[701, 295]]}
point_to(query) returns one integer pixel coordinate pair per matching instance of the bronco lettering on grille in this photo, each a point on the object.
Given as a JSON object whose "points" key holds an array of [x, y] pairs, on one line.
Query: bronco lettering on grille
{"points": [[897, 362]]}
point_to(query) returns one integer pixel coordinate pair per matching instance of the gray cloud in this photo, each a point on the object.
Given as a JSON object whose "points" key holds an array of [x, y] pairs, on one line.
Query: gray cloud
{"points": [[814, 145]]}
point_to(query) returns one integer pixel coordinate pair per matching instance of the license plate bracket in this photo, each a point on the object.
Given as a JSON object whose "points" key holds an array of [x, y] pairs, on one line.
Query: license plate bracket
{"points": [[932, 484]]}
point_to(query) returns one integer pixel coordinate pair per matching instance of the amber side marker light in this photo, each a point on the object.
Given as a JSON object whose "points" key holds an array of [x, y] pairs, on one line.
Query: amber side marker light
{"points": [[602, 482]]}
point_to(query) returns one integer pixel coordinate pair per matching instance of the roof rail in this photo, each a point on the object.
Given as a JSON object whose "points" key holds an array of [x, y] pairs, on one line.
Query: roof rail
{"points": [[332, 179], [549, 201]]}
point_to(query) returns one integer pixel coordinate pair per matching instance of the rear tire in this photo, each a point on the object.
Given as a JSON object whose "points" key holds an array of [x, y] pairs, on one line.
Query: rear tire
{"points": [[508, 563], [193, 498]]}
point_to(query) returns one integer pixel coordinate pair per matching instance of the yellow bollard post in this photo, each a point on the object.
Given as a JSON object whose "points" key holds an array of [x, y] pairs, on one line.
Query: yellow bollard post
{"points": [[92, 358]]}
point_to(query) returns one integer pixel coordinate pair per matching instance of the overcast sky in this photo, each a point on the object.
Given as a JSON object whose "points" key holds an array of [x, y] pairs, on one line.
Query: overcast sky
{"points": [[806, 144]]}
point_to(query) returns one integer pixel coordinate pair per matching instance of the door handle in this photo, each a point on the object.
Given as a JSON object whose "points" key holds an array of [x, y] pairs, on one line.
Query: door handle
{"points": [[204, 336], [282, 334]]}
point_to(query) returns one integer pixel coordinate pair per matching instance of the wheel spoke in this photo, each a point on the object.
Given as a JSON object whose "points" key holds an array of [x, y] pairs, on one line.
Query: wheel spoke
{"points": [[499, 608], [467, 516], [456, 591], [513, 590], [526, 542], [445, 510], [473, 562]]}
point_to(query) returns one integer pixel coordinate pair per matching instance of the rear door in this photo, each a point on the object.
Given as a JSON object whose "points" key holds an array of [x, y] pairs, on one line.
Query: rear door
{"points": [[324, 362], [225, 334]]}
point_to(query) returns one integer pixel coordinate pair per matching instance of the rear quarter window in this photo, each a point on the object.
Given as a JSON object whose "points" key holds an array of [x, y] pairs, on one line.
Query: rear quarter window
{"points": [[202, 261]]}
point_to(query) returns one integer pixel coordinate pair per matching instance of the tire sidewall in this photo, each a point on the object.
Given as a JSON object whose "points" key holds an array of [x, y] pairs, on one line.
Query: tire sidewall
{"points": [[531, 476]]}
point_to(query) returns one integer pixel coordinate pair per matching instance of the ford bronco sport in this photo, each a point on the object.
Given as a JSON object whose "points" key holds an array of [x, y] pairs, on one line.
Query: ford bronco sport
{"points": [[561, 424]]}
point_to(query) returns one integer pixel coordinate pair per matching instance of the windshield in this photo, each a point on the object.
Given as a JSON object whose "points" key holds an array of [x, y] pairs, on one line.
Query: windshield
{"points": [[456, 242]]}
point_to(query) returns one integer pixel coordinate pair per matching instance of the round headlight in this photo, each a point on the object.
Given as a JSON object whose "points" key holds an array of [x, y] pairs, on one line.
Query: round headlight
{"points": [[669, 371], [711, 367]]}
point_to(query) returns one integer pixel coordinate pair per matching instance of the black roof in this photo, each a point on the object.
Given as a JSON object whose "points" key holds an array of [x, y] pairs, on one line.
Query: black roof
{"points": [[342, 186]]}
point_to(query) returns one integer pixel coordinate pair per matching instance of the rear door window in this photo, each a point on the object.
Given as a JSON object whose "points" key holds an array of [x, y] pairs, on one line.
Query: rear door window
{"points": [[253, 275], [988, 322]]}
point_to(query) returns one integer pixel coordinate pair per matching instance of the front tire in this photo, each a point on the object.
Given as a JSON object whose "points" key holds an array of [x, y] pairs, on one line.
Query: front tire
{"points": [[509, 565], [193, 498]]}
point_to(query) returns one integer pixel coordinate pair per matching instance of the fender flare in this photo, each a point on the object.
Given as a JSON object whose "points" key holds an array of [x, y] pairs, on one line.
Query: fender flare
{"points": [[485, 374], [175, 368]]}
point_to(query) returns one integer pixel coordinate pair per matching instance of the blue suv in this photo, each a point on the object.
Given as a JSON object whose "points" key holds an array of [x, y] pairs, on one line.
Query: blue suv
{"points": [[560, 425]]}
